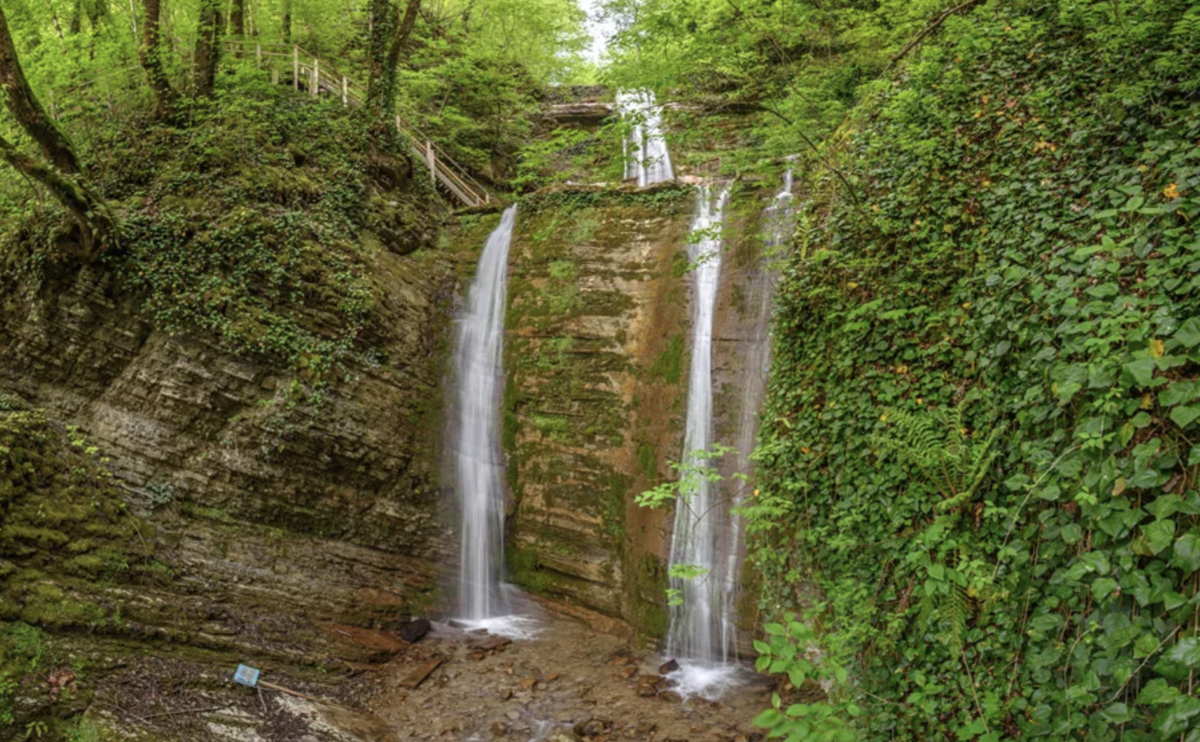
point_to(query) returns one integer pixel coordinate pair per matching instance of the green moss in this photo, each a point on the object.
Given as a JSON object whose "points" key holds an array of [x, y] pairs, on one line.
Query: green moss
{"points": [[563, 270], [650, 614], [23, 540], [668, 366], [555, 427], [523, 570], [648, 460]]}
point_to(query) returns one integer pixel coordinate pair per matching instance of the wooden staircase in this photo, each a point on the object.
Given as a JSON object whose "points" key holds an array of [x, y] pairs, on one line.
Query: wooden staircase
{"points": [[316, 77]]}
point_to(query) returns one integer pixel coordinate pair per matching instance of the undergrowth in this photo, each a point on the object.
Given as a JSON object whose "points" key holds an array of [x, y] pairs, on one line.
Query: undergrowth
{"points": [[980, 505]]}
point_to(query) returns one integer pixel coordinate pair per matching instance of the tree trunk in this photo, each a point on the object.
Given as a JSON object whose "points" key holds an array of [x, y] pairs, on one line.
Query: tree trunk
{"points": [[287, 21], [237, 18], [75, 25], [403, 30], [28, 111], [97, 226], [97, 11], [166, 101], [208, 47], [377, 61]]}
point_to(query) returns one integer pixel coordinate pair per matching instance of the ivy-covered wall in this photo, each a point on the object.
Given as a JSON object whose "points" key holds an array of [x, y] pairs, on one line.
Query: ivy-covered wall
{"points": [[981, 441]]}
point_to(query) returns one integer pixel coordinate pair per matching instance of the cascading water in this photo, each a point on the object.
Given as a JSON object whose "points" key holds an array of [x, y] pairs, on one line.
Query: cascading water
{"points": [[646, 154], [478, 460], [777, 220], [703, 634], [695, 620]]}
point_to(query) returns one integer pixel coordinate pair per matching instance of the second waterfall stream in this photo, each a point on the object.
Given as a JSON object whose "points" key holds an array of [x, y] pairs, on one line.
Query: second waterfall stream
{"points": [[702, 610]]}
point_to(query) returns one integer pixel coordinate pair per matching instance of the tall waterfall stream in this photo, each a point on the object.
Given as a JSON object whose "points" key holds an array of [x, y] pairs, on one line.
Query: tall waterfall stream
{"points": [[478, 457]]}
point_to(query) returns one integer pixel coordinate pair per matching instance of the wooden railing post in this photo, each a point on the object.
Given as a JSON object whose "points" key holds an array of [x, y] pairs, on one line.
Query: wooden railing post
{"points": [[296, 68], [258, 53], [316, 76], [431, 161], [345, 91]]}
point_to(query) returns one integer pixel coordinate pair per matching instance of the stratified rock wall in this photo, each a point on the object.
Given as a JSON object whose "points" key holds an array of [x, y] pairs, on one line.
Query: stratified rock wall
{"points": [[187, 419], [597, 358]]}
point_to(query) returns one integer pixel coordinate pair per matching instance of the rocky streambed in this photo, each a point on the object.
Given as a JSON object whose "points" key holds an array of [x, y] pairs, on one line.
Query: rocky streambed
{"points": [[568, 682]]}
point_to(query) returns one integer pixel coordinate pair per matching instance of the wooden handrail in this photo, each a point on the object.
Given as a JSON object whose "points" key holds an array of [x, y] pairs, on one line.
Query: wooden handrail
{"points": [[443, 169]]}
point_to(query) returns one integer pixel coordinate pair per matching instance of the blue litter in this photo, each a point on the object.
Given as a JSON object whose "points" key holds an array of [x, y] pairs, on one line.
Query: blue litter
{"points": [[246, 676]]}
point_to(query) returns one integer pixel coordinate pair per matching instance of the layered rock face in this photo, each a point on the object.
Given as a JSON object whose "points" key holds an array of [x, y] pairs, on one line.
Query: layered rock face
{"points": [[185, 418], [597, 360]]}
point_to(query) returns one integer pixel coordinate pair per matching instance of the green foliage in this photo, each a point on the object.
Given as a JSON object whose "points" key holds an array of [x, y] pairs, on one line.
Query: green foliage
{"points": [[979, 448], [789, 648]]}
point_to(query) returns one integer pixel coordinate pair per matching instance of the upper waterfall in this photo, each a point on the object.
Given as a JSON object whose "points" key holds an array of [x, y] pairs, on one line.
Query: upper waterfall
{"points": [[646, 154]]}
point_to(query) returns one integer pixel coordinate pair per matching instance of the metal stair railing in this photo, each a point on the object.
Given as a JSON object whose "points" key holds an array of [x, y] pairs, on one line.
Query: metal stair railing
{"points": [[322, 77]]}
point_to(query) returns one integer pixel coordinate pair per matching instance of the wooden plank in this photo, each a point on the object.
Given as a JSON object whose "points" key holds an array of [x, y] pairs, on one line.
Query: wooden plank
{"points": [[418, 676]]}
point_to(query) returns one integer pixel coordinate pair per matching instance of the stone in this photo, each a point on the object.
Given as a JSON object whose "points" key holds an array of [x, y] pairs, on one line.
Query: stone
{"points": [[513, 715], [648, 685], [499, 729], [491, 644], [415, 630], [592, 728], [668, 667], [627, 672], [527, 684], [670, 696]]}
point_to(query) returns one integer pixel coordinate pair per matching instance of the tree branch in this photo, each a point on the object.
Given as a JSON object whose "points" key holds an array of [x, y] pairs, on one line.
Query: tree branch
{"points": [[929, 29]]}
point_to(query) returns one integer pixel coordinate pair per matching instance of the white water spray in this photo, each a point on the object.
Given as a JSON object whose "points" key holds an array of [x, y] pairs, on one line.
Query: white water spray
{"points": [[695, 621], [646, 154], [478, 458]]}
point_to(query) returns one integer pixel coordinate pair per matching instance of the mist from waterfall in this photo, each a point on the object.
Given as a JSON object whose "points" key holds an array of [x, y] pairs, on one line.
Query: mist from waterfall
{"points": [[478, 458], [695, 621], [646, 154]]}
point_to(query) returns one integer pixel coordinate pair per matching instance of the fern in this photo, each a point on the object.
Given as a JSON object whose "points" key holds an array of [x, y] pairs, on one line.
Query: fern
{"points": [[951, 457]]}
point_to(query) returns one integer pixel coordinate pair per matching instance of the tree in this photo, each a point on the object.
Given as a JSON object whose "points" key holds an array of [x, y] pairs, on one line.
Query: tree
{"points": [[208, 47], [237, 18], [98, 227], [287, 22], [382, 23], [403, 30], [28, 110], [63, 177], [165, 99]]}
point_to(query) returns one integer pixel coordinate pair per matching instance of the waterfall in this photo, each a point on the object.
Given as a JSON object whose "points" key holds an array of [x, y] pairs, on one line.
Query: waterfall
{"points": [[777, 220], [650, 161], [694, 542], [478, 458]]}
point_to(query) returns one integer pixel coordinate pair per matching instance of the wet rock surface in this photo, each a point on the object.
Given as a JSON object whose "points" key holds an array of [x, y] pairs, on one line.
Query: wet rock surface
{"points": [[567, 684]]}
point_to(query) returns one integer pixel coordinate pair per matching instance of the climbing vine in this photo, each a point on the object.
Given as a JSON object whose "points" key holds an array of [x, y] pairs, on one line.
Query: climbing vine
{"points": [[979, 484]]}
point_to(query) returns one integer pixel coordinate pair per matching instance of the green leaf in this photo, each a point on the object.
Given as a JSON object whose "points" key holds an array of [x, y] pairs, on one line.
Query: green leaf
{"points": [[1159, 534], [1180, 659], [1141, 370], [1176, 718], [1187, 552], [1189, 333], [1184, 415], [1118, 713], [768, 719], [1157, 692], [1102, 587]]}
